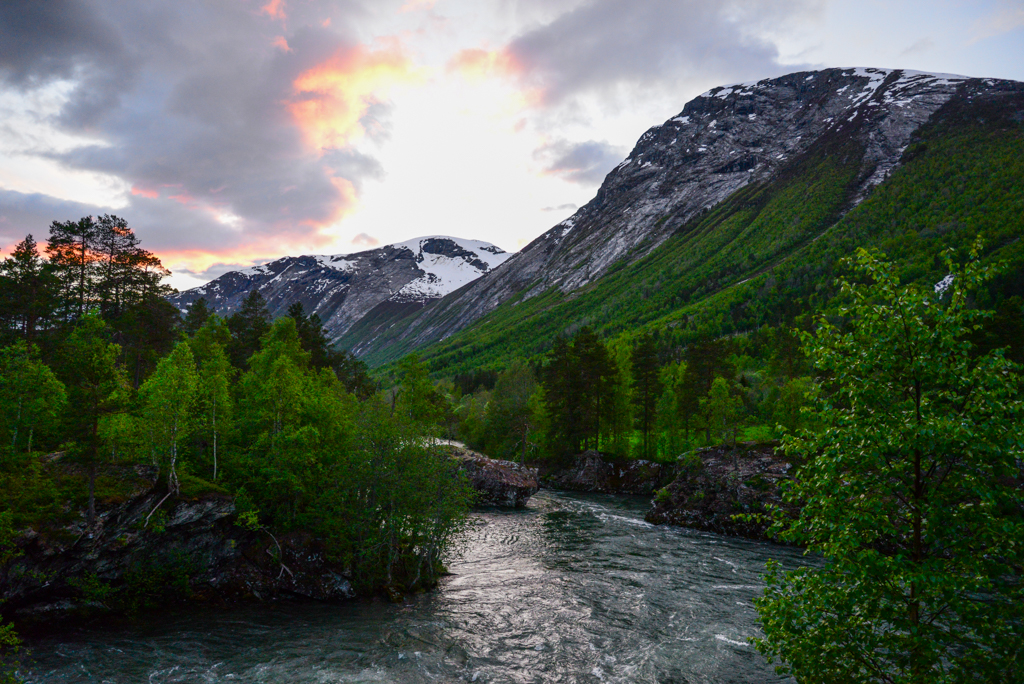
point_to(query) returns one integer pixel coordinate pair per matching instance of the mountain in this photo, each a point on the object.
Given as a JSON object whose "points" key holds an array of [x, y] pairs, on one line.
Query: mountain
{"points": [[733, 213], [391, 281]]}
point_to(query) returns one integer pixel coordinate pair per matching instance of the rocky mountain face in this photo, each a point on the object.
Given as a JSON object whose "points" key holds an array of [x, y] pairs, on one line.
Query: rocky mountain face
{"points": [[723, 140], [341, 289]]}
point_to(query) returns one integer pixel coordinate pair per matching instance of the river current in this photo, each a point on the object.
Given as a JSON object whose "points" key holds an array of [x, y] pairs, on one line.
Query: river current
{"points": [[574, 588]]}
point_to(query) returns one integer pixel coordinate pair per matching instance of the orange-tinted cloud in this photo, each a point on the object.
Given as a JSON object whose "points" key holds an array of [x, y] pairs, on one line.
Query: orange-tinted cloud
{"points": [[476, 63], [413, 5], [332, 97], [145, 192], [274, 9], [282, 43]]}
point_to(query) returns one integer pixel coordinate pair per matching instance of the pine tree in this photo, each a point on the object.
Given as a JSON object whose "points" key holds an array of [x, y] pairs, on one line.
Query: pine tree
{"points": [[27, 289], [96, 388], [196, 317], [646, 387], [247, 326], [72, 253]]}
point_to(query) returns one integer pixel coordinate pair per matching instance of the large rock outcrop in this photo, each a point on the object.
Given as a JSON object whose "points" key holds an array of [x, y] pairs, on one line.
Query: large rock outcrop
{"points": [[715, 484], [497, 483], [189, 548], [590, 472]]}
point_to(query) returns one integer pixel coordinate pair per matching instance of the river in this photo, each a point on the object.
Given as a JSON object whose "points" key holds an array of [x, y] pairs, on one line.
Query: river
{"points": [[574, 588]]}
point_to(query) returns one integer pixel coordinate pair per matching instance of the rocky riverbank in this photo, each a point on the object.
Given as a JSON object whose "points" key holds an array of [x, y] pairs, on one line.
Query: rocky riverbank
{"points": [[712, 485], [189, 548], [593, 472], [702, 491], [146, 548]]}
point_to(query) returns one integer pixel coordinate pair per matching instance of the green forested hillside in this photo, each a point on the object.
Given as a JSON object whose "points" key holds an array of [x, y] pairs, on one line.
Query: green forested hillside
{"points": [[769, 252]]}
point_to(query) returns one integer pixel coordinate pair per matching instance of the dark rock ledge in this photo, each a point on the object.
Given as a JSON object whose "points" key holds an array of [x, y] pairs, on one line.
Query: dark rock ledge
{"points": [[192, 549], [591, 472], [714, 484], [497, 483]]}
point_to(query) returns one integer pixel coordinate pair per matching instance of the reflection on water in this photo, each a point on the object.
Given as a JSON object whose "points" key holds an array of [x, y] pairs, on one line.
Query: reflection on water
{"points": [[576, 588]]}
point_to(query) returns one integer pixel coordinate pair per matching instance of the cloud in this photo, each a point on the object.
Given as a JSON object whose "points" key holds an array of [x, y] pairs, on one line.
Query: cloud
{"points": [[602, 46], [562, 207], [1007, 16], [234, 124], [364, 240], [584, 163], [923, 45]]}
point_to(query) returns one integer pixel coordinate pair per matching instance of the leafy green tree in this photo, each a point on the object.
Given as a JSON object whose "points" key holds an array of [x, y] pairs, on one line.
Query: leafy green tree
{"points": [[646, 387], [721, 411], [418, 399], [96, 388], [405, 504], [167, 398], [214, 406], [472, 414], [31, 397], [511, 414], [793, 396], [669, 421], [910, 492]]}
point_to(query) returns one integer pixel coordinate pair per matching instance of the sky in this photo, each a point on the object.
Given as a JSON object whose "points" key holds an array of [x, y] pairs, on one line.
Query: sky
{"points": [[232, 132]]}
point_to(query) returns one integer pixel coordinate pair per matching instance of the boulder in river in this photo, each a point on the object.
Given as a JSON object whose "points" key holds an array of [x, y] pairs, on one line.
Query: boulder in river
{"points": [[497, 483], [717, 483]]}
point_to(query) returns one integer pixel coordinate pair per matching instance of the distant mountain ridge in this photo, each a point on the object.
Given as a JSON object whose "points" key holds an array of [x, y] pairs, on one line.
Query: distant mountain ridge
{"points": [[342, 288]]}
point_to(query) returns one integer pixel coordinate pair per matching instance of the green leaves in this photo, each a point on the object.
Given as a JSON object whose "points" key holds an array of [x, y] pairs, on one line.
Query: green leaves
{"points": [[908, 492]]}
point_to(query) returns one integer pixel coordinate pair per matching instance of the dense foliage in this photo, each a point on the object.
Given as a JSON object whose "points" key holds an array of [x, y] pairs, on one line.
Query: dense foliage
{"points": [[910, 491], [98, 372]]}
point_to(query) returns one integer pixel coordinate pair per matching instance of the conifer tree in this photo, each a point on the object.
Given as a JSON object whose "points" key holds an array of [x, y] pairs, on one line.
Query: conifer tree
{"points": [[71, 252], [196, 317], [247, 326], [27, 289], [96, 388], [646, 387]]}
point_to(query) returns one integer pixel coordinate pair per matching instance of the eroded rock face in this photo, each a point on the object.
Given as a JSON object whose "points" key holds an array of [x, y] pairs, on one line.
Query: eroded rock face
{"points": [[497, 483], [191, 542], [591, 473], [713, 485]]}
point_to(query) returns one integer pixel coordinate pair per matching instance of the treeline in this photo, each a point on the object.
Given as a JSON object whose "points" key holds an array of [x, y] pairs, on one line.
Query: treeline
{"points": [[629, 398], [100, 372]]}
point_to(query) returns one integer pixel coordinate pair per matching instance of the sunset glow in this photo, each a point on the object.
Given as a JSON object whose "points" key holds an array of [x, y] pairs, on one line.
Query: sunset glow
{"points": [[331, 98]]}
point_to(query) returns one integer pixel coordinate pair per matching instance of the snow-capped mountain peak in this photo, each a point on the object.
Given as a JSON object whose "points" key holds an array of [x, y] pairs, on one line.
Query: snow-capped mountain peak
{"points": [[342, 288]]}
